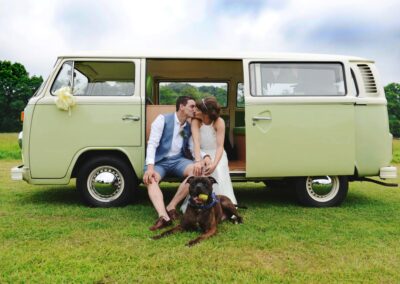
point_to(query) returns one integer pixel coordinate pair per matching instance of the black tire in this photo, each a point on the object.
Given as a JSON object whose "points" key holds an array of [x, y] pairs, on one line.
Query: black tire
{"points": [[323, 191], [115, 187]]}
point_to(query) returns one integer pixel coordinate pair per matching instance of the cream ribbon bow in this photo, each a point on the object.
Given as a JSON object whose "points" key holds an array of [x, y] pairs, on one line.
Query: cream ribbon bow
{"points": [[64, 99]]}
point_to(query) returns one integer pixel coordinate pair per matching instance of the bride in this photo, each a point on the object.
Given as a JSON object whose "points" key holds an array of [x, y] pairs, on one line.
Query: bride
{"points": [[208, 132]]}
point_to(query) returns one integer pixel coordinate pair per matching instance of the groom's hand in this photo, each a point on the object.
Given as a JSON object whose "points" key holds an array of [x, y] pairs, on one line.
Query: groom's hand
{"points": [[150, 175], [198, 168]]}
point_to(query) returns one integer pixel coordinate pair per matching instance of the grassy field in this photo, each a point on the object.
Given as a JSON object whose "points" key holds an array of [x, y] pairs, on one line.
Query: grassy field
{"points": [[396, 151], [47, 235], [9, 148]]}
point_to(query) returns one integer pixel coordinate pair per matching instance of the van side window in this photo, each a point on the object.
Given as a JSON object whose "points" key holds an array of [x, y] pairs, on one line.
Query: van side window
{"points": [[297, 79], [63, 78], [100, 78], [170, 91]]}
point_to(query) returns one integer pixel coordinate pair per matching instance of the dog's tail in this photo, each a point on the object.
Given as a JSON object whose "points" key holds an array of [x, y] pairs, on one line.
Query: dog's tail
{"points": [[241, 206]]}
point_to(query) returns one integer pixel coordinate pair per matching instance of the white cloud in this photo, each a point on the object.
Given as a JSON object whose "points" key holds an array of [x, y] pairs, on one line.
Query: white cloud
{"points": [[35, 32]]}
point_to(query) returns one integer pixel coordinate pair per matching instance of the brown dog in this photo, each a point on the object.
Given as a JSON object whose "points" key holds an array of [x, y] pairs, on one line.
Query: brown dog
{"points": [[205, 210]]}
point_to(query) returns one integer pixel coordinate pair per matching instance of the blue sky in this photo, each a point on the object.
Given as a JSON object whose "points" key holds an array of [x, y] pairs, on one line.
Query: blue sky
{"points": [[34, 33]]}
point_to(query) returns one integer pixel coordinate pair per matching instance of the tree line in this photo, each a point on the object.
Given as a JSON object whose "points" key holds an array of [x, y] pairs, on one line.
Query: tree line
{"points": [[17, 87], [169, 92]]}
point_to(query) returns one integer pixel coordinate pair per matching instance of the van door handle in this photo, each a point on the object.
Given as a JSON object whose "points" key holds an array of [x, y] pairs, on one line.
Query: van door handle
{"points": [[130, 117], [256, 118]]}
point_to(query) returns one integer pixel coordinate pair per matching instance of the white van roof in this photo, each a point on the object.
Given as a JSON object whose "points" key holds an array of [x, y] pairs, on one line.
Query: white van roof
{"points": [[219, 55]]}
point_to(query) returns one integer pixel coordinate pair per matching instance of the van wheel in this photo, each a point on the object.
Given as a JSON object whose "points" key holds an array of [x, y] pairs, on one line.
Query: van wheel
{"points": [[106, 181], [322, 191]]}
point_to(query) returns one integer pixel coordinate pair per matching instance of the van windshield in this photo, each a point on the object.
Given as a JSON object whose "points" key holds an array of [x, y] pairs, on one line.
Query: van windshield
{"points": [[297, 79], [96, 78]]}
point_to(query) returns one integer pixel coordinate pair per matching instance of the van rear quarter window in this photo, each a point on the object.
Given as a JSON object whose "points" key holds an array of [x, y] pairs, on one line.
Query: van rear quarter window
{"points": [[97, 78], [297, 79]]}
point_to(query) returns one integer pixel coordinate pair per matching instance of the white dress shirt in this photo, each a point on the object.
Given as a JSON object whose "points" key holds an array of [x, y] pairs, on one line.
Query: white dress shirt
{"points": [[155, 136]]}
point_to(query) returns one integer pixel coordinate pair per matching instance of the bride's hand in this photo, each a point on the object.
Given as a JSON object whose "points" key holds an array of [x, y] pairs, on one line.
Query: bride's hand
{"points": [[210, 169], [207, 161]]}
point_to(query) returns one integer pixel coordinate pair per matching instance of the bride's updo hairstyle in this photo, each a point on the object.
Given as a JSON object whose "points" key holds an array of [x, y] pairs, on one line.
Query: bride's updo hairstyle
{"points": [[209, 106]]}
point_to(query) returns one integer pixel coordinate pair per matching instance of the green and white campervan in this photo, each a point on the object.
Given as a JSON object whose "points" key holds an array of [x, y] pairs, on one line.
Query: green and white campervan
{"points": [[315, 121]]}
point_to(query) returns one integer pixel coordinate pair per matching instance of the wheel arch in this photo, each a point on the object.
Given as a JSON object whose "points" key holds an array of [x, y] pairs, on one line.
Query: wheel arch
{"points": [[87, 154]]}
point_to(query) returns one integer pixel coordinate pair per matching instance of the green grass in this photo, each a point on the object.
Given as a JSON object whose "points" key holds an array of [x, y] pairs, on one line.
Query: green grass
{"points": [[396, 151], [47, 235], [9, 148]]}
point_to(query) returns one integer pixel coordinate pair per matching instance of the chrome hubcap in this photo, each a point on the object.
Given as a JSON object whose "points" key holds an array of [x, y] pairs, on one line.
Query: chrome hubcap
{"points": [[322, 188], [105, 183]]}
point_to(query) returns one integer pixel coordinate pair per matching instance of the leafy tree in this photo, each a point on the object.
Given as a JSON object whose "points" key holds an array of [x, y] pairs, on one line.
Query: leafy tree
{"points": [[16, 87], [171, 91]]}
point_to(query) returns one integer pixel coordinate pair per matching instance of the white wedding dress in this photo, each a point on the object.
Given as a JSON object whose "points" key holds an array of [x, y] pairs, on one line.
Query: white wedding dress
{"points": [[208, 145]]}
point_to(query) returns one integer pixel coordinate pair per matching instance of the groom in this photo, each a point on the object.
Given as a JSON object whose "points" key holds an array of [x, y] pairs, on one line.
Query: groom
{"points": [[166, 148]]}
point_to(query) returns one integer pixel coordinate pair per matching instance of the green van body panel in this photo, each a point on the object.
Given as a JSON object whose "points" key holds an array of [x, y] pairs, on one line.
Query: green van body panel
{"points": [[300, 140], [373, 139], [134, 155], [57, 136]]}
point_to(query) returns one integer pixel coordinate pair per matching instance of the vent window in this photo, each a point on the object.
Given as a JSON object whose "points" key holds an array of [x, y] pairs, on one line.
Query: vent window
{"points": [[368, 78]]}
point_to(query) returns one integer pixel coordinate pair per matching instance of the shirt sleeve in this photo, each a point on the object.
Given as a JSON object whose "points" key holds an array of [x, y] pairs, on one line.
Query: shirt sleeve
{"points": [[154, 139]]}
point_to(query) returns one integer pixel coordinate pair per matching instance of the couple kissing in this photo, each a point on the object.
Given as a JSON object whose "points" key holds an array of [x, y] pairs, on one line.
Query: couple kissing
{"points": [[188, 142]]}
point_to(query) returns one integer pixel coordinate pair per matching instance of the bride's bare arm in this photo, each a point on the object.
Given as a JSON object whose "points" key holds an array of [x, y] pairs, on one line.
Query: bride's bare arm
{"points": [[219, 126], [196, 138], [198, 165]]}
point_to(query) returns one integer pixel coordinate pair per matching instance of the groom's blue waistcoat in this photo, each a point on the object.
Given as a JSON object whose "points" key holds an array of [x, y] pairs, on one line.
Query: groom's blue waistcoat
{"points": [[166, 138]]}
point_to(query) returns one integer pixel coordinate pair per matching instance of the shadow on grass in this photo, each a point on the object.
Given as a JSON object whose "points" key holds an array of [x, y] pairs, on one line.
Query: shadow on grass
{"points": [[251, 196], [69, 195], [360, 200], [65, 195], [254, 197]]}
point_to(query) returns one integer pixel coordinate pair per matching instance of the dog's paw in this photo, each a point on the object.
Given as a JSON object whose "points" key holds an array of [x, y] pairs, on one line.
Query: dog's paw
{"points": [[192, 243], [236, 219], [155, 237]]}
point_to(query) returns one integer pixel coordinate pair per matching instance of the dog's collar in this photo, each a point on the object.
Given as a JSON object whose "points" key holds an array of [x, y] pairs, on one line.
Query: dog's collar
{"points": [[206, 206]]}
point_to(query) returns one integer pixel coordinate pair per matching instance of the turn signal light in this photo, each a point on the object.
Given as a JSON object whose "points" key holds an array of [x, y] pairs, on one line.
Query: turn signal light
{"points": [[22, 116]]}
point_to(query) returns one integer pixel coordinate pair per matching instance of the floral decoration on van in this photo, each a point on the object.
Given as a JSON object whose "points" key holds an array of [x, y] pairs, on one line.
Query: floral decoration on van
{"points": [[65, 100]]}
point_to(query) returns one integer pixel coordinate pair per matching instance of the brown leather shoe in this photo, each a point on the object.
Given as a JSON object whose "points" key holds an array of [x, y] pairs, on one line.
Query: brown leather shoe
{"points": [[173, 214], [160, 223]]}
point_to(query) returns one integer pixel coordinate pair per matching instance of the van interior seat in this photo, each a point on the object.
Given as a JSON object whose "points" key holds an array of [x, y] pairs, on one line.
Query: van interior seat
{"points": [[239, 133], [152, 111]]}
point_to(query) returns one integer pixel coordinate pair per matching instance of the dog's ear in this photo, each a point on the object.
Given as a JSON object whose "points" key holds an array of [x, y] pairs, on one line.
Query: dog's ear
{"points": [[190, 179], [212, 180]]}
